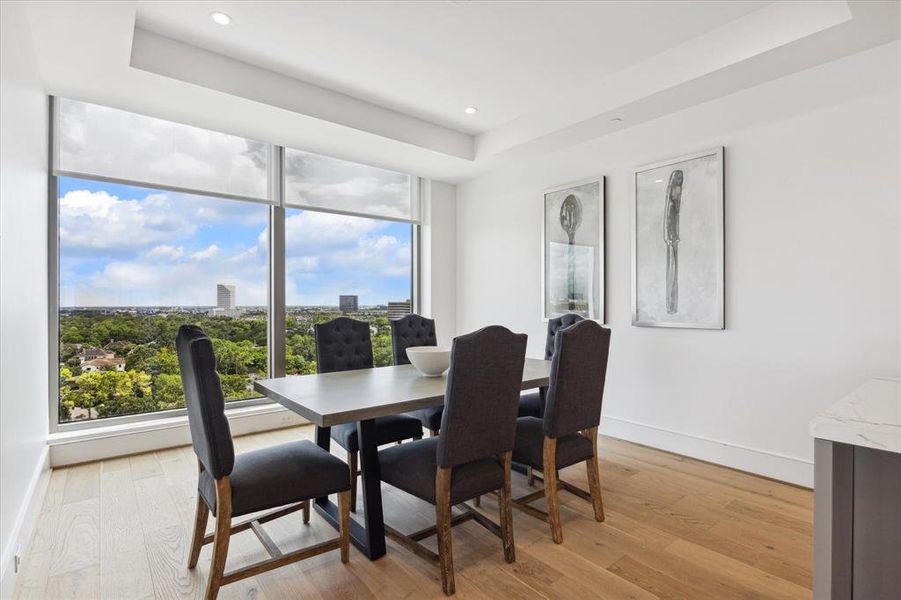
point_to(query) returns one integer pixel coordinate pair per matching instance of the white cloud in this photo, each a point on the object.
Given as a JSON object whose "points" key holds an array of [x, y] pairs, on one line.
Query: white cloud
{"points": [[92, 221], [119, 252], [384, 255], [309, 232], [182, 281], [210, 251], [165, 251], [304, 264]]}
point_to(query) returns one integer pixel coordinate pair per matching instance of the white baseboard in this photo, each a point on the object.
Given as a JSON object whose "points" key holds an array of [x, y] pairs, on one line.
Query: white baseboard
{"points": [[26, 518], [798, 471], [147, 436]]}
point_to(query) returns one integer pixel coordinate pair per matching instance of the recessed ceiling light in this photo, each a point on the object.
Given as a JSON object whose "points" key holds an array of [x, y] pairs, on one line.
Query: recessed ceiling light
{"points": [[471, 110], [658, 181], [616, 120], [221, 18]]}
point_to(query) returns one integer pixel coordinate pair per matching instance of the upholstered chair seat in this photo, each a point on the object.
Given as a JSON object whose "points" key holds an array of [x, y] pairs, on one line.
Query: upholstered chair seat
{"points": [[530, 405], [270, 477], [412, 468], [571, 449], [387, 430]]}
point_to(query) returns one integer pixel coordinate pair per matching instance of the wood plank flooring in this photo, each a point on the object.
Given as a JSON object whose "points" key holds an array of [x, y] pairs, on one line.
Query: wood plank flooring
{"points": [[675, 528]]}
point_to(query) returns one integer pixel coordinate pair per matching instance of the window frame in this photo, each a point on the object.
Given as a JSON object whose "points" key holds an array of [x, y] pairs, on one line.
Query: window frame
{"points": [[276, 301]]}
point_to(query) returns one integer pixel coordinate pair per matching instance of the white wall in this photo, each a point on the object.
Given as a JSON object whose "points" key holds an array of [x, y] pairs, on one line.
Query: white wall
{"points": [[438, 258], [23, 278], [812, 264]]}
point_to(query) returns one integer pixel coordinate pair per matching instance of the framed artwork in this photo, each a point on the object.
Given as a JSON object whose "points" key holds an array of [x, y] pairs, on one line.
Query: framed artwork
{"points": [[677, 242], [572, 250]]}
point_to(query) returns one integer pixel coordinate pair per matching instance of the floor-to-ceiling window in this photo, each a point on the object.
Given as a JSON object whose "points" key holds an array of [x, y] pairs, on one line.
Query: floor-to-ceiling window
{"points": [[356, 260], [159, 224], [134, 264]]}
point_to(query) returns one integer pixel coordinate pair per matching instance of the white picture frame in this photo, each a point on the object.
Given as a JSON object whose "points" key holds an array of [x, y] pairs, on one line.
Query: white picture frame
{"points": [[582, 248], [678, 242]]}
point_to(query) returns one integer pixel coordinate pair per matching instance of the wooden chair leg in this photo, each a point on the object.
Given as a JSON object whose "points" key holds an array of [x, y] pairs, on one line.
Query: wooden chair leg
{"points": [[505, 505], [478, 501], [344, 524], [221, 537], [550, 489], [594, 479], [531, 475], [352, 463], [201, 516], [443, 523], [306, 512]]}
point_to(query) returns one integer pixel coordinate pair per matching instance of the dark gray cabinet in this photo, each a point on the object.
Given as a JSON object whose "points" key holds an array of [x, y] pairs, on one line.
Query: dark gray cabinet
{"points": [[857, 530]]}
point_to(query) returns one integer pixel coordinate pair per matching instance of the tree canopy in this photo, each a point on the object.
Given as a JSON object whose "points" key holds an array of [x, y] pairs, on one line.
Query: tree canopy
{"points": [[146, 341]]}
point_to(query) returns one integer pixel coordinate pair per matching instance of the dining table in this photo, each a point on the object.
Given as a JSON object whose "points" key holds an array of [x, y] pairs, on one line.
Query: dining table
{"points": [[360, 396]]}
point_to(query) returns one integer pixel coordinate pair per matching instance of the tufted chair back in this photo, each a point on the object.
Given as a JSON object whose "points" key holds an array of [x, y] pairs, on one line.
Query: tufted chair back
{"points": [[210, 433], [411, 330], [555, 325], [343, 344], [578, 374], [482, 395]]}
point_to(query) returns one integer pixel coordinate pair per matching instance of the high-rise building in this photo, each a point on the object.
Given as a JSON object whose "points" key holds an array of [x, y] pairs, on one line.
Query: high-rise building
{"points": [[225, 296], [396, 310], [225, 302], [348, 303]]}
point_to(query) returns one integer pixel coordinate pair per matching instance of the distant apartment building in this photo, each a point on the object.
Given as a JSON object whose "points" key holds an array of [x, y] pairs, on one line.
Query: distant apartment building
{"points": [[396, 310], [225, 296], [225, 302], [348, 303]]}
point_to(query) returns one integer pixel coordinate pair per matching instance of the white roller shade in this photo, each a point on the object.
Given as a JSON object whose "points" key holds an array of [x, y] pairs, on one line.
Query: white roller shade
{"points": [[107, 143], [322, 183]]}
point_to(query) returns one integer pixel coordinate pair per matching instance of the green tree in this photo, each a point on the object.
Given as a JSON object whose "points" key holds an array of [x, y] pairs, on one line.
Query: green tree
{"points": [[168, 392], [140, 358], [88, 392], [382, 354], [66, 395], [125, 393], [234, 387]]}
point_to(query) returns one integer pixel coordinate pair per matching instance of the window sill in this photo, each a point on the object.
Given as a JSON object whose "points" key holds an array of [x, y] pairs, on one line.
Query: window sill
{"points": [[96, 443]]}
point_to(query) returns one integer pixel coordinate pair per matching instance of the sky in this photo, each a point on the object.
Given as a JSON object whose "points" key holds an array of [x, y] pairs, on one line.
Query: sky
{"points": [[130, 246]]}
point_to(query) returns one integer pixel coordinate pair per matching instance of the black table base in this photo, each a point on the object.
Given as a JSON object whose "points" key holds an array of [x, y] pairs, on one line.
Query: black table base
{"points": [[368, 537]]}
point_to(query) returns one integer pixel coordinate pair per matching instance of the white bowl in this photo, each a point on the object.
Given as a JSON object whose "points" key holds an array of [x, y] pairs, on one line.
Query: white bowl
{"points": [[431, 361]]}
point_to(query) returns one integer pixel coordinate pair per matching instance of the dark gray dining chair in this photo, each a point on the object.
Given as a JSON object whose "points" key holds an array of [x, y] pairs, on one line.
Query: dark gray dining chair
{"points": [[410, 331], [344, 344], [284, 477], [531, 404], [568, 433], [472, 456]]}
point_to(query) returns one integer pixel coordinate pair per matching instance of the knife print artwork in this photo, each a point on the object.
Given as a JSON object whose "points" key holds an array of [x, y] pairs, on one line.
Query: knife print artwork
{"points": [[677, 279], [570, 219], [671, 238]]}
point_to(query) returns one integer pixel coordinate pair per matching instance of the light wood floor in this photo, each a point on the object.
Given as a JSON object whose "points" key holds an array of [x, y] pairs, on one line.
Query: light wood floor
{"points": [[675, 528]]}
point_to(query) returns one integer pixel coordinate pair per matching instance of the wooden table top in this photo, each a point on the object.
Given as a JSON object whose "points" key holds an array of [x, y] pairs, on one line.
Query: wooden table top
{"points": [[329, 399]]}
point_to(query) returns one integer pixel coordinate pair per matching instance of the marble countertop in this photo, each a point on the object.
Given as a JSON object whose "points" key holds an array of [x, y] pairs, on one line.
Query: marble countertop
{"points": [[870, 416]]}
